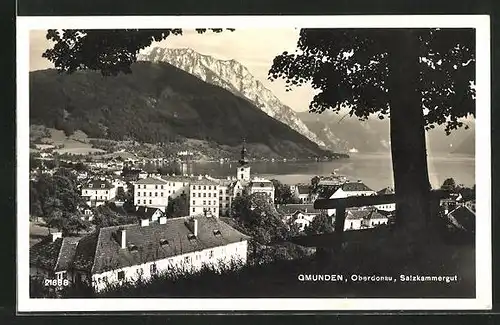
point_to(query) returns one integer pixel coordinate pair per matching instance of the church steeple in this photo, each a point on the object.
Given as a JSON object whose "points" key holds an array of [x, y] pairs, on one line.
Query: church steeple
{"points": [[243, 160]]}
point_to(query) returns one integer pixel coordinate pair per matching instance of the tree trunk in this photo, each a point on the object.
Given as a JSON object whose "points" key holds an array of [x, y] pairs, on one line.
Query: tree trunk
{"points": [[408, 147]]}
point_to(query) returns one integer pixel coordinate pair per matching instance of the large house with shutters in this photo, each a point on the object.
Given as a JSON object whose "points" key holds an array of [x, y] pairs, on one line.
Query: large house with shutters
{"points": [[97, 192]]}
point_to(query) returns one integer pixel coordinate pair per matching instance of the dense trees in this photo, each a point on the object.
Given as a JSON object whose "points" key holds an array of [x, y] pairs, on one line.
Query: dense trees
{"points": [[321, 224], [449, 184], [57, 199], [178, 206], [259, 218], [106, 216], [418, 77], [283, 194]]}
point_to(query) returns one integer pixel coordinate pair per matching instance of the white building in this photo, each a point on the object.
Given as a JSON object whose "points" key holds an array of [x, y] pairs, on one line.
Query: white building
{"points": [[151, 192], [115, 255], [301, 214], [204, 198], [388, 207], [260, 185], [357, 219], [97, 192], [349, 189]]}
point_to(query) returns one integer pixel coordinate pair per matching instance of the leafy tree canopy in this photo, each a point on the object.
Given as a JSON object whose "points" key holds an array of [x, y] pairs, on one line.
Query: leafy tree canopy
{"points": [[350, 68], [321, 224]]}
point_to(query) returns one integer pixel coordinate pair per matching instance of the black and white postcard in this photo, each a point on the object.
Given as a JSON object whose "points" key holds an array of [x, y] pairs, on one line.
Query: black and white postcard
{"points": [[301, 163]]}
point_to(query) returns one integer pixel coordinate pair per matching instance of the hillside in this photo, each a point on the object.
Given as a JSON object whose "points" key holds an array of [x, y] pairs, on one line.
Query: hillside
{"points": [[158, 103], [373, 135], [233, 76]]}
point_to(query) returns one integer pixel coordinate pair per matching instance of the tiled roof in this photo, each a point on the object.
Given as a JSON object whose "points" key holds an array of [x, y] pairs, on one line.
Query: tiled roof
{"points": [[44, 254], [386, 190], [203, 181], [179, 178], [463, 217], [292, 208], [326, 191], [151, 180], [101, 251], [54, 255], [261, 183], [303, 189], [67, 253], [354, 214], [96, 184], [355, 187], [145, 212]]}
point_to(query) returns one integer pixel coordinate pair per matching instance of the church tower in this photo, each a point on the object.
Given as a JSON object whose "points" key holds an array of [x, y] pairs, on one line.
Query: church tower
{"points": [[243, 172]]}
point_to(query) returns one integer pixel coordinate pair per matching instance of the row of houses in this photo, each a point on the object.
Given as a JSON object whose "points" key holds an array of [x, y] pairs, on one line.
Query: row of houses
{"points": [[155, 245]]}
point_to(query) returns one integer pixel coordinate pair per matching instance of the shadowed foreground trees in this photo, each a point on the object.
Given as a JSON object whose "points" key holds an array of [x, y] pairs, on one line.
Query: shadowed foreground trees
{"points": [[418, 77]]}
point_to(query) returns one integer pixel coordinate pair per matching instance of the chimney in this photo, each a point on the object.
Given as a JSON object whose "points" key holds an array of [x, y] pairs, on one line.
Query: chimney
{"points": [[193, 226], [163, 220], [122, 237], [56, 235], [144, 222], [200, 177]]}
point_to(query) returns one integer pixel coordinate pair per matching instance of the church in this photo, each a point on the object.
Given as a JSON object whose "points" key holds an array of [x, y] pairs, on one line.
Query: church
{"points": [[206, 195]]}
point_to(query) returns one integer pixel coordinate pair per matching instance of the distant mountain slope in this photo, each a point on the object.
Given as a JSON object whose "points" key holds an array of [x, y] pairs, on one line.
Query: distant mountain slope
{"points": [[158, 103], [233, 76], [373, 135]]}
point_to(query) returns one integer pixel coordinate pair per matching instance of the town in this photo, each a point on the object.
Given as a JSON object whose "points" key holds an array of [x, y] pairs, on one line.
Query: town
{"points": [[132, 224]]}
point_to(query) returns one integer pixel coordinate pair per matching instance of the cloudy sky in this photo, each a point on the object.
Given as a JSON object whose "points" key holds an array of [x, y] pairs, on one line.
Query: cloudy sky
{"points": [[254, 48]]}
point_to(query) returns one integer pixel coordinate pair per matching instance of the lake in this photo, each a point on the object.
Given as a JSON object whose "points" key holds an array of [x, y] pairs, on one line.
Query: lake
{"points": [[375, 170]]}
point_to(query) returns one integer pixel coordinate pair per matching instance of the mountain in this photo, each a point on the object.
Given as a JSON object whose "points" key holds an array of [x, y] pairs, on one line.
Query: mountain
{"points": [[233, 76], [372, 135], [158, 102]]}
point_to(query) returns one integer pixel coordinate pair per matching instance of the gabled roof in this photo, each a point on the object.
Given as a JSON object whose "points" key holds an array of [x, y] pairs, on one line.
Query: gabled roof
{"points": [[261, 183], [143, 212], [100, 252], [97, 184], [355, 187], [303, 189], [354, 214], [178, 178], [54, 255], [292, 208], [151, 181], [463, 217], [203, 181], [386, 190]]}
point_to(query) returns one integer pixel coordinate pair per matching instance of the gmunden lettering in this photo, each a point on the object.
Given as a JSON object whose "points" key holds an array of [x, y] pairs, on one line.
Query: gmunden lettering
{"points": [[428, 278], [371, 278], [320, 277]]}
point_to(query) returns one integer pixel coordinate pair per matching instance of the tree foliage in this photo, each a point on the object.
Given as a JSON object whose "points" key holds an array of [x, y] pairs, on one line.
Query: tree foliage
{"points": [[321, 224], [109, 51], [105, 216], [449, 184], [178, 206], [259, 218], [283, 194], [350, 68], [57, 199]]}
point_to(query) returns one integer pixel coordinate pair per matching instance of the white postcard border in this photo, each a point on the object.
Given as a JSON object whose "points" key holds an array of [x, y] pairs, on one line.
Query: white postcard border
{"points": [[483, 298]]}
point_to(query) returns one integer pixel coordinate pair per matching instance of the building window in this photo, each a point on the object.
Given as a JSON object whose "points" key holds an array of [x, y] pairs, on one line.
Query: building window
{"points": [[144, 201], [150, 202], [138, 202], [161, 186], [209, 194], [161, 193], [199, 194], [138, 193], [121, 275], [152, 268], [187, 259], [199, 187], [211, 254], [204, 194], [204, 187], [144, 194], [194, 202], [156, 187], [209, 187], [150, 194], [156, 193], [220, 192], [86, 191], [215, 210], [193, 209], [215, 202], [204, 202], [215, 194]]}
